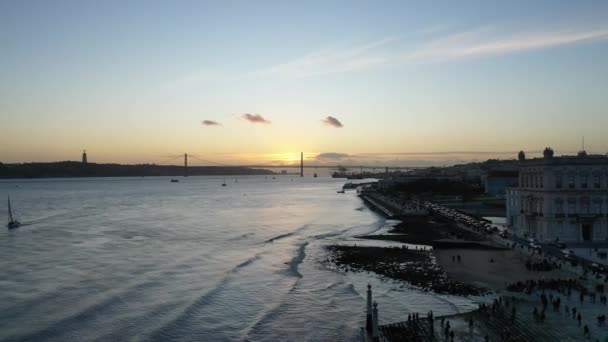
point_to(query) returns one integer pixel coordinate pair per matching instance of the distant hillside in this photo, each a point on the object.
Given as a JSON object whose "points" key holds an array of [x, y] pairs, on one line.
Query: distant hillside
{"points": [[78, 169]]}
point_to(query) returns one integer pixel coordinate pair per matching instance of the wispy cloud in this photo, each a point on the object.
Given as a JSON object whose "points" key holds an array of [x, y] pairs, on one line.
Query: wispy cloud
{"points": [[487, 42], [333, 60], [331, 121], [475, 43], [210, 123], [255, 118]]}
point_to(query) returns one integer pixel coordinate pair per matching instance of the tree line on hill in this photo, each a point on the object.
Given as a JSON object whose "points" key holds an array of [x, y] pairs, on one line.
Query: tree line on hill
{"points": [[78, 169]]}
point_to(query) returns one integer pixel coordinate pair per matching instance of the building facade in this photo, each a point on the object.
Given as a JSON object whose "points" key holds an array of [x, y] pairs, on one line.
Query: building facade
{"points": [[560, 198], [497, 181]]}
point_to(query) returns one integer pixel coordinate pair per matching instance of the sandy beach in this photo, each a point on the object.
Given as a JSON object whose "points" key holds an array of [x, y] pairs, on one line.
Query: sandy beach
{"points": [[475, 267]]}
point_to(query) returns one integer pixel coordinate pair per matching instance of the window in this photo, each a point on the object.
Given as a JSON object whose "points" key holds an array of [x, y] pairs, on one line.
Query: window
{"points": [[585, 205], [571, 181], [597, 206], [540, 181], [596, 180], [584, 179], [571, 206], [559, 206], [558, 181]]}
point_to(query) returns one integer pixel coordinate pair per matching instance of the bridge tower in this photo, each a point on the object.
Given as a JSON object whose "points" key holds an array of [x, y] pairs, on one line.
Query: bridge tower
{"points": [[185, 164], [301, 164]]}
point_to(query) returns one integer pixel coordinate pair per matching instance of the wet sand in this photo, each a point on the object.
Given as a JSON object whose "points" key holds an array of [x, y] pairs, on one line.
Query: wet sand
{"points": [[425, 231], [475, 267]]}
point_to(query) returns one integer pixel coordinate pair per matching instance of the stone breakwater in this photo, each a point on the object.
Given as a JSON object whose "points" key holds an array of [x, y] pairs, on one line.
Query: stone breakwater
{"points": [[415, 267]]}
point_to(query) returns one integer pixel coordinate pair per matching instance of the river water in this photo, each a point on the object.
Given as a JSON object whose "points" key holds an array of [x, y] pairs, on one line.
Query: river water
{"points": [[144, 259]]}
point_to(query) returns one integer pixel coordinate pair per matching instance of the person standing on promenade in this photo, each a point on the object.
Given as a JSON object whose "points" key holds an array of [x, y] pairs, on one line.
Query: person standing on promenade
{"points": [[578, 318], [542, 316], [471, 325]]}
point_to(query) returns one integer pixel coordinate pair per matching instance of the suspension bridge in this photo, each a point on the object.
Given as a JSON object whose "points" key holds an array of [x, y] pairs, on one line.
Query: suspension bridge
{"points": [[273, 165]]}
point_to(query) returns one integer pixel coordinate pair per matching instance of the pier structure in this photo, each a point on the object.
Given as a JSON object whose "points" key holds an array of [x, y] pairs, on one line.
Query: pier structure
{"points": [[368, 323], [371, 332], [375, 332]]}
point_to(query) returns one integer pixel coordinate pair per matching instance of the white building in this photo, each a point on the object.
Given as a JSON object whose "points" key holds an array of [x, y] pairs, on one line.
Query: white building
{"points": [[563, 198]]}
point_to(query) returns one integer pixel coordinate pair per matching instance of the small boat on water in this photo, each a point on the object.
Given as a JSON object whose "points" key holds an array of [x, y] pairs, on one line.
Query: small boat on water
{"points": [[12, 223], [315, 175], [340, 191], [174, 180]]}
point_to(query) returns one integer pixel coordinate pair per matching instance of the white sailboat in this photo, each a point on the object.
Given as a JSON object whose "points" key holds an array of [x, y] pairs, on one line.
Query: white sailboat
{"points": [[12, 223]]}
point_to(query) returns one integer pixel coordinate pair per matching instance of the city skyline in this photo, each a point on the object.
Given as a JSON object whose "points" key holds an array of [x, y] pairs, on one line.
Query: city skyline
{"points": [[236, 82]]}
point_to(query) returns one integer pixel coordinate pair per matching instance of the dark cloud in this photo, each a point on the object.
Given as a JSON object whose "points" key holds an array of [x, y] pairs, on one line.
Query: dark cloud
{"points": [[332, 156], [255, 118], [210, 123], [331, 121]]}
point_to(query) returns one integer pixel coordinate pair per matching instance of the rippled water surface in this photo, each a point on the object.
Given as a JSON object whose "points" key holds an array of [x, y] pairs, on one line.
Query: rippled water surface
{"points": [[128, 259]]}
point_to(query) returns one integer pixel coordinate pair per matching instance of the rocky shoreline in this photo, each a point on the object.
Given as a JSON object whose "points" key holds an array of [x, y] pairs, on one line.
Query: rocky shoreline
{"points": [[417, 268]]}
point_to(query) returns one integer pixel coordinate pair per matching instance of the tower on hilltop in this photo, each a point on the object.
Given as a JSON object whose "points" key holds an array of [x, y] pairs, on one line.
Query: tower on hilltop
{"points": [[84, 156]]}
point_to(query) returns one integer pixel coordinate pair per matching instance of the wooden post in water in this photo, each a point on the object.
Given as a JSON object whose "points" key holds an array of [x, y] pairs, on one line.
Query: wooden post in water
{"points": [[375, 332], [369, 322], [301, 164]]}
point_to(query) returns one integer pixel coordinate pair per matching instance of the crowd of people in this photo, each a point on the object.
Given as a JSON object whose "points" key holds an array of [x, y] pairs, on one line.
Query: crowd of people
{"points": [[563, 286], [543, 265]]}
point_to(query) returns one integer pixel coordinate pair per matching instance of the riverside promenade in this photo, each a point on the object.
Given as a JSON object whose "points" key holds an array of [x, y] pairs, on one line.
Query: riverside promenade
{"points": [[534, 306], [508, 318], [390, 207], [547, 310]]}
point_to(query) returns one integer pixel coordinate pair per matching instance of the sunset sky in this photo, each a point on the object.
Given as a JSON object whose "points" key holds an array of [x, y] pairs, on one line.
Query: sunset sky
{"points": [[418, 82]]}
